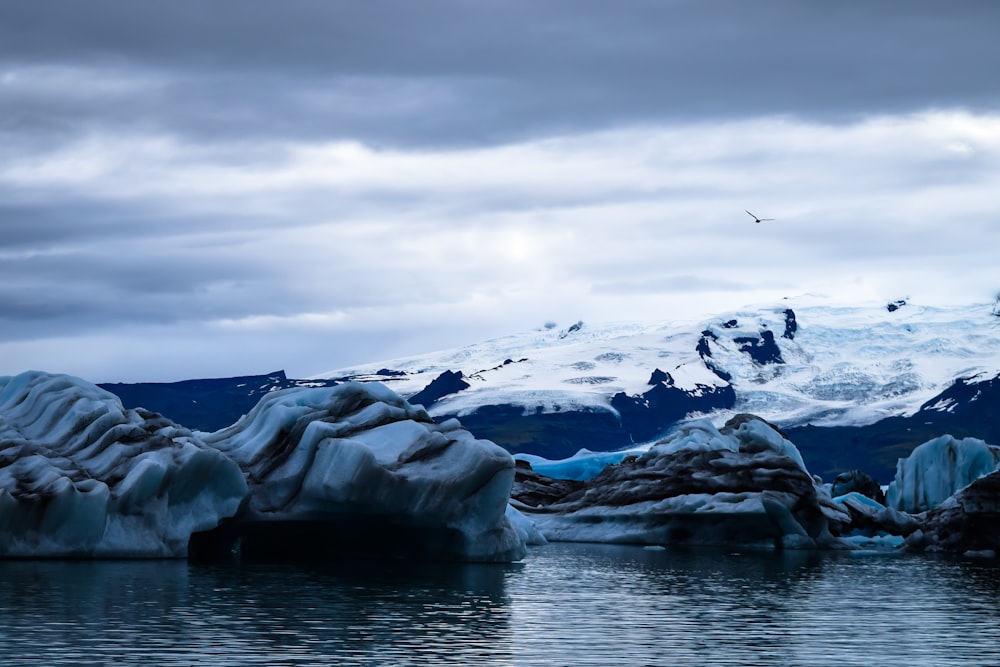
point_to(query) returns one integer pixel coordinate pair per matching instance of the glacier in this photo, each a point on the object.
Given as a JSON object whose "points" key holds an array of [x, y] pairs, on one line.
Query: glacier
{"points": [[350, 469], [840, 364], [803, 364]]}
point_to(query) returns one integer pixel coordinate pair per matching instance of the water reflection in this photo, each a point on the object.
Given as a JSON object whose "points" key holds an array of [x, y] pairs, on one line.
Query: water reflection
{"points": [[171, 613], [564, 605]]}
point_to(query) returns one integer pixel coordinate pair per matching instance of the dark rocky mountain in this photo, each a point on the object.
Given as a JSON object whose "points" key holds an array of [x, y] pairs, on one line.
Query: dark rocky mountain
{"points": [[208, 404], [969, 408]]}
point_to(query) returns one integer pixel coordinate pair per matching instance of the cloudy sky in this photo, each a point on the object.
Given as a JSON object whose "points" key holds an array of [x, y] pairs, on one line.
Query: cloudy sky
{"points": [[204, 189]]}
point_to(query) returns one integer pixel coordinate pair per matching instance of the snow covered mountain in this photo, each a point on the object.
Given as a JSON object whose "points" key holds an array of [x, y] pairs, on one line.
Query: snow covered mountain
{"points": [[853, 387], [798, 364]]}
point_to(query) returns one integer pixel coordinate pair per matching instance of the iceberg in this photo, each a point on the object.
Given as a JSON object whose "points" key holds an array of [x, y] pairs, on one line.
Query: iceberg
{"points": [[741, 484], [351, 469], [967, 522], [82, 477], [937, 469], [872, 523], [356, 470], [583, 465]]}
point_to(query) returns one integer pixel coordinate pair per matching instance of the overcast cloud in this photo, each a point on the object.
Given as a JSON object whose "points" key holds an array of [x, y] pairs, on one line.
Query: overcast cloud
{"points": [[232, 187]]}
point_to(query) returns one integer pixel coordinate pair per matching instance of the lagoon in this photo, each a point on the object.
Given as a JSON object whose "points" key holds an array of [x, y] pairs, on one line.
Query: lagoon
{"points": [[565, 604]]}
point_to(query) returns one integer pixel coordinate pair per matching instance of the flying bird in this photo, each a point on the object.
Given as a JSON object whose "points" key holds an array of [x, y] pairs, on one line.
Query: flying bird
{"points": [[756, 219]]}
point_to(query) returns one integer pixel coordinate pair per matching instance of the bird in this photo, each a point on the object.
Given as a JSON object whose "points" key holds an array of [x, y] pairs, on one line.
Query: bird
{"points": [[756, 219]]}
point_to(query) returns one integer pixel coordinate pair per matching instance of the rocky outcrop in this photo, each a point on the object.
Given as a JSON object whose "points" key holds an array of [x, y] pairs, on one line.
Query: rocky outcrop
{"points": [[447, 383], [762, 350], [645, 416]]}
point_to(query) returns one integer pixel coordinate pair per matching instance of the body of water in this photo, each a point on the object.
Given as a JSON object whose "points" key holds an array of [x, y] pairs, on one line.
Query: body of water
{"points": [[566, 604]]}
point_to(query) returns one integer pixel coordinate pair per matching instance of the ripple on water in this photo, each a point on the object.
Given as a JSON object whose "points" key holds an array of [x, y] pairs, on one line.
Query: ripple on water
{"points": [[564, 605]]}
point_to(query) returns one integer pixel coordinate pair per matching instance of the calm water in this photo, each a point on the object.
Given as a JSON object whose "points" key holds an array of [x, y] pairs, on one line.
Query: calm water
{"points": [[564, 605]]}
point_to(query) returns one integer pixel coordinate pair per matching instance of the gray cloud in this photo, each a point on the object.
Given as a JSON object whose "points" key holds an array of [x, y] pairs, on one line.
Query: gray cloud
{"points": [[228, 187], [391, 72]]}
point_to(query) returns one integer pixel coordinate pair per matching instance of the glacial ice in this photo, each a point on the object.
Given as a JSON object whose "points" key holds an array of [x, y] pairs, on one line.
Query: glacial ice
{"points": [[358, 459], [937, 469], [82, 477], [585, 464], [346, 469], [742, 484]]}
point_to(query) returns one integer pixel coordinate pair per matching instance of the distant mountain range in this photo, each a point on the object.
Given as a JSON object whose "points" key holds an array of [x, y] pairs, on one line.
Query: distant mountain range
{"points": [[853, 388]]}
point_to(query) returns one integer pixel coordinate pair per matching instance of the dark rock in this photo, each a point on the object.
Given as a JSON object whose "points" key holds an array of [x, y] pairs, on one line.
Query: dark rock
{"points": [[731, 324], [659, 377], [573, 328], [893, 306], [449, 382], [857, 482], [762, 350], [791, 326], [719, 373], [702, 348], [648, 415]]}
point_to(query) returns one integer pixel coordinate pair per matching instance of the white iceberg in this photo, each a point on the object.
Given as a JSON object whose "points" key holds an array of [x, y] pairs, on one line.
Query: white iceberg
{"points": [[937, 469]]}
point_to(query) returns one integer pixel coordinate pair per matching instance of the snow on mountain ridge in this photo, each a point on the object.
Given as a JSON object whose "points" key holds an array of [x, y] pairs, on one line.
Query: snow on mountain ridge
{"points": [[839, 365]]}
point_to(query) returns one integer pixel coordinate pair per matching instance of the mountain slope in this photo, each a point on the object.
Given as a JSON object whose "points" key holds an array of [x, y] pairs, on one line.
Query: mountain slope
{"points": [[853, 387], [797, 364], [208, 404]]}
